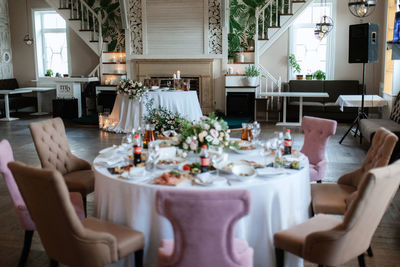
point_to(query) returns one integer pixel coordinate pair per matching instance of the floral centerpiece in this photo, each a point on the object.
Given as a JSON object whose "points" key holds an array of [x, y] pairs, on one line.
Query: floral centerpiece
{"points": [[163, 119], [210, 131], [131, 88]]}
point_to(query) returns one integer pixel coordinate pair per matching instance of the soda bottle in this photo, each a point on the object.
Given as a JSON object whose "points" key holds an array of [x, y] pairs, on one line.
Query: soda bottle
{"points": [[287, 143], [137, 150], [204, 159]]}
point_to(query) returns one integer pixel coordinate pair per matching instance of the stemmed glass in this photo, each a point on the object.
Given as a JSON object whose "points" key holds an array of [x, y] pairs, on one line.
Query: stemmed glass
{"points": [[169, 84], [265, 151], [152, 155], [217, 158]]}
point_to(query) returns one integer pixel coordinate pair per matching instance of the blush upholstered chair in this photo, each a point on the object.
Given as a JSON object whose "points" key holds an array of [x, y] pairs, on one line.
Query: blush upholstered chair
{"points": [[24, 219], [151, 82], [66, 239], [203, 224], [334, 198], [329, 241], [54, 153], [316, 135]]}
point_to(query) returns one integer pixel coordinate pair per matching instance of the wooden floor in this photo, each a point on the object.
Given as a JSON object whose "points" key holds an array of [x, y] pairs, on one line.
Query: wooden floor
{"points": [[85, 142]]}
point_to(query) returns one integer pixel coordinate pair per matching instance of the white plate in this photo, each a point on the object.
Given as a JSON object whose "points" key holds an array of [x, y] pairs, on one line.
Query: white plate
{"points": [[268, 172], [230, 164], [170, 166], [107, 149], [209, 179], [244, 172]]}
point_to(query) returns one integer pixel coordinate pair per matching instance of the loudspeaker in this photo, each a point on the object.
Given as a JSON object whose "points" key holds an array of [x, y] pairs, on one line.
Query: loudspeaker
{"points": [[363, 43]]}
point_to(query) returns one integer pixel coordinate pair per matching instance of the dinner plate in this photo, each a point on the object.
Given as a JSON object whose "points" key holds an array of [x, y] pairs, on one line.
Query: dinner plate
{"points": [[270, 171], [208, 179], [171, 165]]}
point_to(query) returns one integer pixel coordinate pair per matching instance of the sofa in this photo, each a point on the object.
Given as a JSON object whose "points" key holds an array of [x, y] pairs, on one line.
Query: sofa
{"points": [[322, 107], [368, 127], [17, 101]]}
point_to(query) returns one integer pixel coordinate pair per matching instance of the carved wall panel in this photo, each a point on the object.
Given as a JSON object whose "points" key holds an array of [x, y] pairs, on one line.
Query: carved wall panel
{"points": [[214, 27], [136, 26], [6, 67]]}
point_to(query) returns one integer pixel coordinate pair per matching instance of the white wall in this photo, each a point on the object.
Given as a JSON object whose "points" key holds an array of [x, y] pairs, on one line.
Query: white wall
{"points": [[275, 59]]}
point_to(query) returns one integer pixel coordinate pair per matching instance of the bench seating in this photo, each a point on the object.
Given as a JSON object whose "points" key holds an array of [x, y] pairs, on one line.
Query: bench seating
{"points": [[368, 127], [16, 101], [322, 107]]}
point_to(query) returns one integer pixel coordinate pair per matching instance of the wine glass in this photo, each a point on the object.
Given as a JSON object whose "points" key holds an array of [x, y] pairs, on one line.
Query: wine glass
{"points": [[217, 158], [169, 84], [256, 131], [266, 151], [152, 155]]}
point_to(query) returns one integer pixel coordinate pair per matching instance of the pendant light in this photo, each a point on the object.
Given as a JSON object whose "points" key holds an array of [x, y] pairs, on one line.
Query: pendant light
{"points": [[27, 39], [362, 8], [324, 26]]}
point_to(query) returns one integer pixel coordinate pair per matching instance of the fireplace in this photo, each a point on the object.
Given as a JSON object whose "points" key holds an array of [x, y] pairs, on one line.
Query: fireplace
{"points": [[199, 71]]}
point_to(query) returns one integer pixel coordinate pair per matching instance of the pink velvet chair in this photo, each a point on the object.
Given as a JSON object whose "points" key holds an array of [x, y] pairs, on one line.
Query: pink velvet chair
{"points": [[24, 218], [316, 135], [203, 224]]}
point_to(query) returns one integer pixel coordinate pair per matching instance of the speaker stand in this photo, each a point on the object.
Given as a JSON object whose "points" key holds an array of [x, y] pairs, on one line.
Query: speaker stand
{"points": [[361, 114]]}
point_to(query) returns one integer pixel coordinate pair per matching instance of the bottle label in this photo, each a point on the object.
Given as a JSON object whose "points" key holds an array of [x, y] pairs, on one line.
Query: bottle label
{"points": [[137, 149], [287, 143], [205, 161]]}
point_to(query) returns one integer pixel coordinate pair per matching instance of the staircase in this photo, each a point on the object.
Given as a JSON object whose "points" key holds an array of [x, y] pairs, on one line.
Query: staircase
{"points": [[82, 19]]}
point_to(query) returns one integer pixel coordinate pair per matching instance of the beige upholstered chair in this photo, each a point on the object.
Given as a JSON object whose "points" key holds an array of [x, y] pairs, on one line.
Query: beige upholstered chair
{"points": [[328, 241], [54, 153], [335, 198], [66, 239], [180, 84]]}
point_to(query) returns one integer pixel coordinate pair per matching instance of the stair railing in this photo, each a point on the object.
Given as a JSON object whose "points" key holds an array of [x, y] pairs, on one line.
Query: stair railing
{"points": [[95, 72], [90, 21], [268, 83]]}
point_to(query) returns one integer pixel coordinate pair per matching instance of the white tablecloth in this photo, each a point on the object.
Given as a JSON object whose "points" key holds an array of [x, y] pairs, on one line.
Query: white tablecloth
{"points": [[128, 112], [355, 101], [277, 202]]}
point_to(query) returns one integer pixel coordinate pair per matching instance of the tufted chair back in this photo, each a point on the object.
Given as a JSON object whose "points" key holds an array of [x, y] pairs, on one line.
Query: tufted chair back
{"points": [[6, 156], [316, 135], [180, 84], [63, 235], [52, 147], [151, 82], [353, 236], [378, 155], [203, 224]]}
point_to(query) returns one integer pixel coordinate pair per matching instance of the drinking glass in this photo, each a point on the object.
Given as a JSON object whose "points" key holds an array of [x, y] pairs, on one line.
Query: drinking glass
{"points": [[247, 134], [265, 151], [148, 135], [169, 84], [153, 155], [256, 131], [217, 157], [127, 140]]}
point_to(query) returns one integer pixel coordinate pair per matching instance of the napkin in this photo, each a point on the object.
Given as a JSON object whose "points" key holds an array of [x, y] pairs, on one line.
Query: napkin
{"points": [[136, 173], [207, 178]]}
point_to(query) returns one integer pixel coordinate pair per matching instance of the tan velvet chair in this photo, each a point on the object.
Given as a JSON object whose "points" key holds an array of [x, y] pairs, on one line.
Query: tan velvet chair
{"points": [[66, 239], [54, 153], [180, 84], [335, 198], [329, 241], [151, 82]]}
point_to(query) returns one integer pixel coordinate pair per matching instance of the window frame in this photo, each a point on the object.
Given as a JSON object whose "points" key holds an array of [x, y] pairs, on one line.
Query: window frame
{"points": [[41, 34], [330, 57]]}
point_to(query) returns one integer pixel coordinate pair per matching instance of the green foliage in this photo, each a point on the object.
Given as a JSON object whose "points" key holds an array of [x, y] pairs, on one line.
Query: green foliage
{"points": [[163, 119], [319, 75], [111, 22], [294, 64], [49, 72], [252, 71]]}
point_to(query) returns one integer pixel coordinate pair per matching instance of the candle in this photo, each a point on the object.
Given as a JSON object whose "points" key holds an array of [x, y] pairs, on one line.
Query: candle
{"points": [[178, 74], [114, 59], [174, 76], [121, 58]]}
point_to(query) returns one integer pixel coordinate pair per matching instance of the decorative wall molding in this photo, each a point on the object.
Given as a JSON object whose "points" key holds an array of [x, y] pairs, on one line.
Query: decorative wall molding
{"points": [[214, 27], [135, 18], [6, 68]]}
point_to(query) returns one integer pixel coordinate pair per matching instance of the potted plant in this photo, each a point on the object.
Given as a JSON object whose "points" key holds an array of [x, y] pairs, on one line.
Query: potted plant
{"points": [[252, 74], [319, 75], [309, 75], [295, 66], [48, 73]]}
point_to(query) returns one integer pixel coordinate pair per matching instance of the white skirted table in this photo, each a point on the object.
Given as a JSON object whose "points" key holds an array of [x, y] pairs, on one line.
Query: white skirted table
{"points": [[278, 202], [128, 112], [355, 101]]}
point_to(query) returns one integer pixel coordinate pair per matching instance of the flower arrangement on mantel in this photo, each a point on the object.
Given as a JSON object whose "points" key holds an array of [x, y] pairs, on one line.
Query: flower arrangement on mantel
{"points": [[131, 88], [210, 131]]}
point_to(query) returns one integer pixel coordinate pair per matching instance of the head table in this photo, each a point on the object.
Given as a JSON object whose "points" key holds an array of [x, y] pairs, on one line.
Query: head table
{"points": [[277, 202], [128, 112]]}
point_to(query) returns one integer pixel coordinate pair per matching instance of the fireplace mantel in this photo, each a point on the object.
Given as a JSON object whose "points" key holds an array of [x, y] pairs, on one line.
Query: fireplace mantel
{"points": [[201, 68]]}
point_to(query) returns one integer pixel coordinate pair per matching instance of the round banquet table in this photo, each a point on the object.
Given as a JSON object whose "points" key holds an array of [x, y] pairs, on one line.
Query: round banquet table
{"points": [[277, 202], [128, 112]]}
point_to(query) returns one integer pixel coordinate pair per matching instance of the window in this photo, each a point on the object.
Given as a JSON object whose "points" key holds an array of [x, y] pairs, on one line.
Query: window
{"points": [[311, 53], [51, 43]]}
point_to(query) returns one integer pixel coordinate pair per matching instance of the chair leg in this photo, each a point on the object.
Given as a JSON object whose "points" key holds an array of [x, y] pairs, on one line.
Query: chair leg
{"points": [[369, 251], [361, 261], [319, 181], [279, 257], [26, 249], [53, 263], [84, 204], [139, 258], [320, 265]]}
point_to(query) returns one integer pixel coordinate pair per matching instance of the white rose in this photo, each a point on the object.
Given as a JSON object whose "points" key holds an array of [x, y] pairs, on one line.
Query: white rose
{"points": [[215, 141], [188, 139], [206, 127], [185, 146], [217, 126], [209, 138]]}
